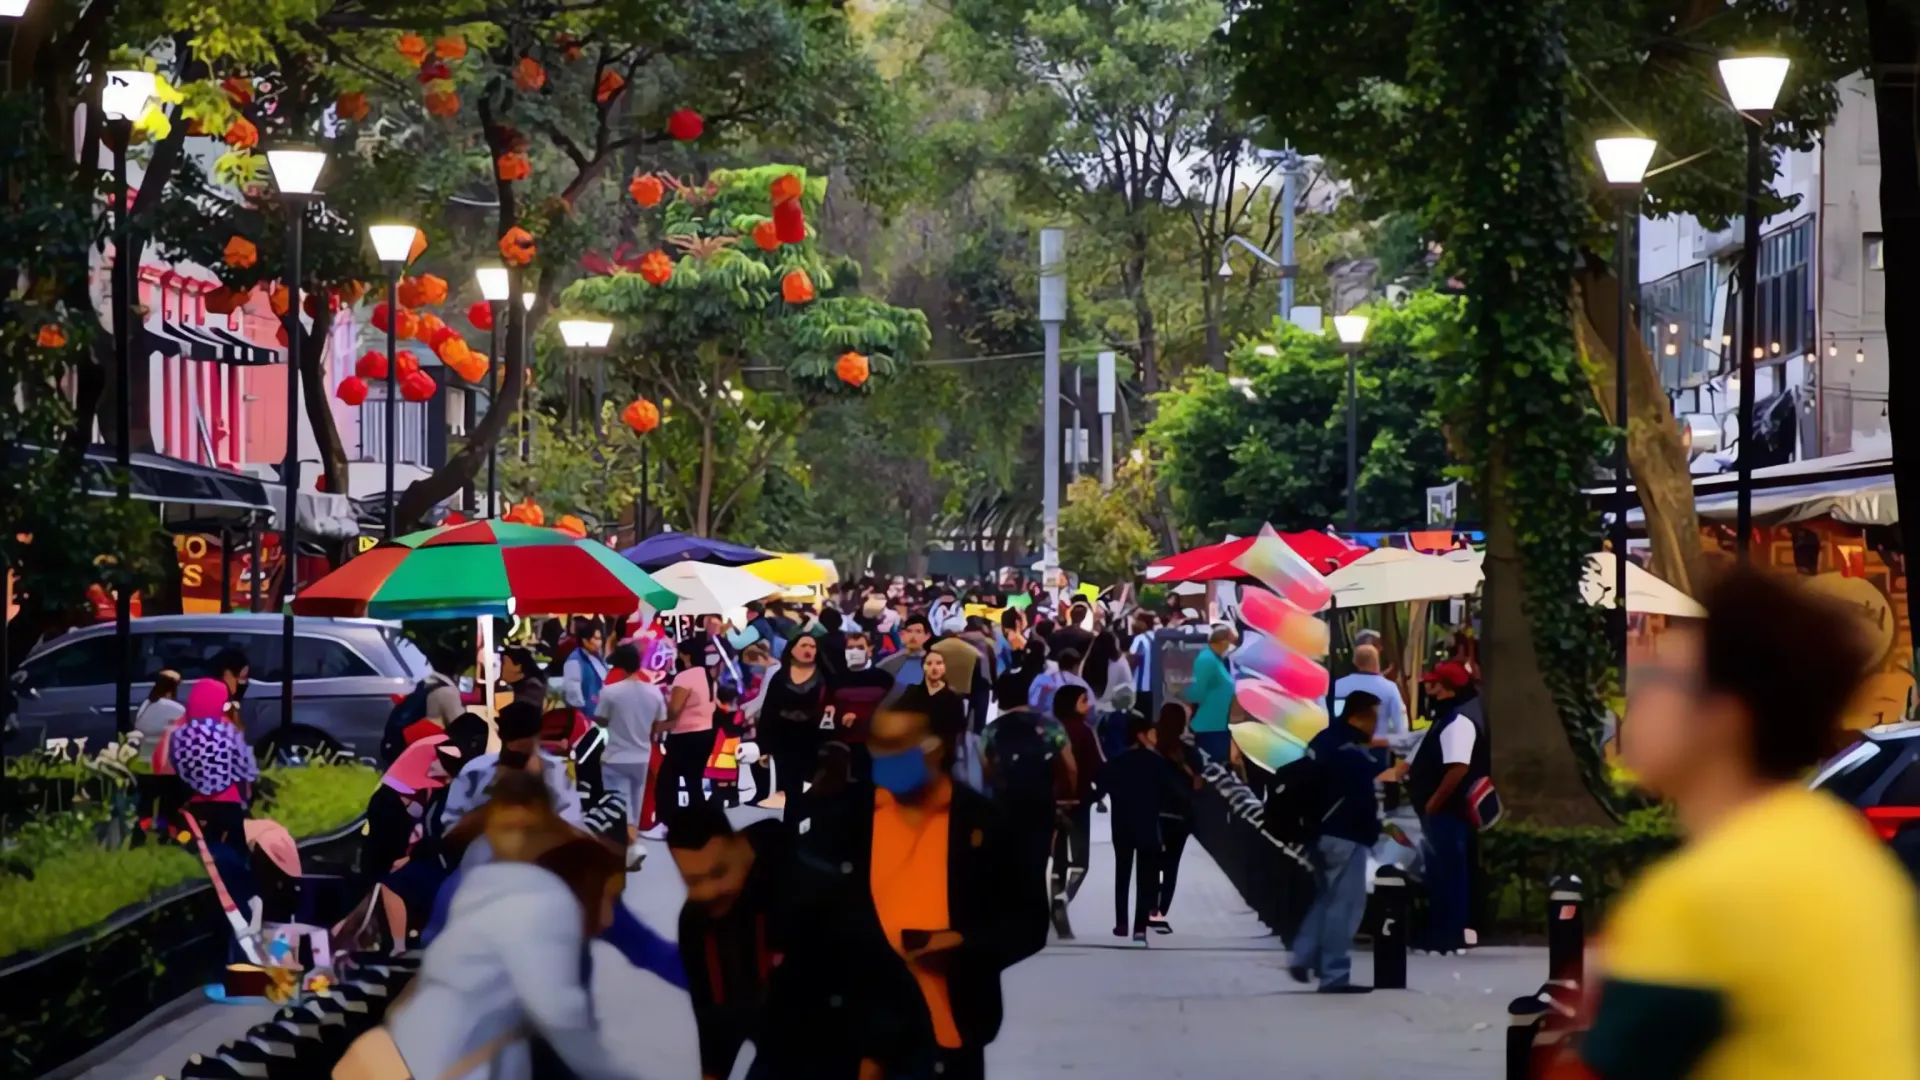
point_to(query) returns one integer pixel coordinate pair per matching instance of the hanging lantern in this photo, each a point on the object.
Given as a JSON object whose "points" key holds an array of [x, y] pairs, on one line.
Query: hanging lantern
{"points": [[443, 103], [241, 134], [517, 246], [278, 300], [451, 47], [51, 336], [528, 75], [572, 526], [512, 166], [852, 368], [418, 247], [426, 329], [766, 236], [641, 415], [409, 324], [407, 363], [790, 222], [240, 253], [224, 301], [352, 390], [413, 47], [408, 292], [785, 188], [480, 314], [656, 268], [371, 365], [418, 386], [440, 335], [351, 106], [796, 287], [434, 71], [647, 190], [433, 289], [239, 91], [610, 84], [685, 125], [350, 293]]}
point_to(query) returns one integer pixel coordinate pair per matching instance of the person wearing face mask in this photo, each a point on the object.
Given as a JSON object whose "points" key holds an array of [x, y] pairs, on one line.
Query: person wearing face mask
{"points": [[908, 889], [1211, 694], [758, 667]]}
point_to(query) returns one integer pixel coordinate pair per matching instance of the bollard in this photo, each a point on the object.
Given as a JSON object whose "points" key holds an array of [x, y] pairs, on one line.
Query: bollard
{"points": [[1566, 928], [1524, 1019], [1390, 944]]}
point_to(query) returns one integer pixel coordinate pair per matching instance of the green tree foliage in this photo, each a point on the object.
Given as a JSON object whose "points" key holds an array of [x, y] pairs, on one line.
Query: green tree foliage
{"points": [[721, 341], [1104, 535], [1269, 443]]}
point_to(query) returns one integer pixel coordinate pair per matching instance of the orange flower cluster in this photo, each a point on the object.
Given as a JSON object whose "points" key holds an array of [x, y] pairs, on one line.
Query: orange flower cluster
{"points": [[241, 134], [610, 85], [528, 75], [641, 415], [656, 268], [240, 253], [517, 246], [513, 166], [351, 105], [647, 190], [51, 336], [413, 47]]}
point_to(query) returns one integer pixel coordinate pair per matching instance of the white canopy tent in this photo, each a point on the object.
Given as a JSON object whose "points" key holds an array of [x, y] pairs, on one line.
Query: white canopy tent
{"points": [[1646, 594], [1398, 576], [706, 589]]}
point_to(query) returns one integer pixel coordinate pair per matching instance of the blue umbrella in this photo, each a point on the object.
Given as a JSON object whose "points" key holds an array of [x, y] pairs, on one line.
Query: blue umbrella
{"points": [[668, 548]]}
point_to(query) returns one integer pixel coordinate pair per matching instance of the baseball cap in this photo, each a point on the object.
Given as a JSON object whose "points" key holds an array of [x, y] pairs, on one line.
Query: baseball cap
{"points": [[1449, 673]]}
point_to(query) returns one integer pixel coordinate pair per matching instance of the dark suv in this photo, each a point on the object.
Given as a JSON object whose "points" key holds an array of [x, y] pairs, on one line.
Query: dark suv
{"points": [[1880, 775]]}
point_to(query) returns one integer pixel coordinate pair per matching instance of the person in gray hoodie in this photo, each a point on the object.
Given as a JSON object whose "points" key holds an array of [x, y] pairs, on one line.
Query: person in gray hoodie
{"points": [[508, 967]]}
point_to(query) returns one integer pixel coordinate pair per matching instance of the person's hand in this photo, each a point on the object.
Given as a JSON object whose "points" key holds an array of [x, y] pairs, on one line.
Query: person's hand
{"points": [[1394, 774], [1433, 807]]}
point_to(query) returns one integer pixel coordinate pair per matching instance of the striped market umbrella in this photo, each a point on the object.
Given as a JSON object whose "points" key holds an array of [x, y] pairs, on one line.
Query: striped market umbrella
{"points": [[484, 568]]}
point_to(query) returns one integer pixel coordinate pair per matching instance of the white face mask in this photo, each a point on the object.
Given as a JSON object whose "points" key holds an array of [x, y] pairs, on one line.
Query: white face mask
{"points": [[856, 658]]}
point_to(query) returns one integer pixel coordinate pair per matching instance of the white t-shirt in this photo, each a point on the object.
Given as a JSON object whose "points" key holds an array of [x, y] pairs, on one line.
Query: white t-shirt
{"points": [[630, 707], [1456, 742], [1393, 711]]}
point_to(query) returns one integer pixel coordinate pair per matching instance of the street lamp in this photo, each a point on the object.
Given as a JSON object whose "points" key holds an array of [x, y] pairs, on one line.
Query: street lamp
{"points": [[1352, 332], [296, 173], [393, 244], [590, 334], [1053, 312], [124, 99], [1624, 160], [496, 287], [1753, 85], [526, 375]]}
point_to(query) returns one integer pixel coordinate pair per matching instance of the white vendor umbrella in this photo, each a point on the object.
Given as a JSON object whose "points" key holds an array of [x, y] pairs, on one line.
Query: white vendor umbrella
{"points": [[706, 589], [1398, 576], [1646, 594]]}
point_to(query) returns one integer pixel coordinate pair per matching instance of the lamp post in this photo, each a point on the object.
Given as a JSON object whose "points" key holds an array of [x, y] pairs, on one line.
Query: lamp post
{"points": [[392, 243], [1753, 85], [496, 287], [123, 100], [1352, 331], [296, 173], [584, 334], [526, 375], [1624, 160], [1053, 312], [1108, 387]]}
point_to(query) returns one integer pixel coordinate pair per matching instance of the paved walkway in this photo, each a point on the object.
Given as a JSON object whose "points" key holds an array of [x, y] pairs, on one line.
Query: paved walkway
{"points": [[1212, 1000]]}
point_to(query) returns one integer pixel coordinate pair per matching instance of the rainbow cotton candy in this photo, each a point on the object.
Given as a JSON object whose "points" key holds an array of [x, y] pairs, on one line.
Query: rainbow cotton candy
{"points": [[1294, 673], [1269, 748], [1281, 569], [1283, 622], [1279, 710]]}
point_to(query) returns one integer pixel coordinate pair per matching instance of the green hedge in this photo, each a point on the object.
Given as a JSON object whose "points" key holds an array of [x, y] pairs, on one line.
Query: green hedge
{"points": [[67, 871], [1519, 859]]}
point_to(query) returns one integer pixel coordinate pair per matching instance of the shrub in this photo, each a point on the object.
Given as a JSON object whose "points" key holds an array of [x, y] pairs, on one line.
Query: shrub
{"points": [[1518, 859]]}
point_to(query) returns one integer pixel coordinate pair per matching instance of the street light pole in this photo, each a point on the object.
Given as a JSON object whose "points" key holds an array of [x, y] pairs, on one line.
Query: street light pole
{"points": [[527, 396], [496, 287], [1108, 391], [1053, 312], [392, 244], [296, 172], [1352, 332], [1753, 85], [1624, 161]]}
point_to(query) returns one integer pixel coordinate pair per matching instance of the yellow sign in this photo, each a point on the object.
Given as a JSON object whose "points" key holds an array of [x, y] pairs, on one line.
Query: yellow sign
{"points": [[1871, 606], [364, 544]]}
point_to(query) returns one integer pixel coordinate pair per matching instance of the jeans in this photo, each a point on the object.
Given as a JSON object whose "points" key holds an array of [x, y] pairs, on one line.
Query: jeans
{"points": [[1325, 941], [1173, 841], [1215, 743], [1141, 864], [1445, 856]]}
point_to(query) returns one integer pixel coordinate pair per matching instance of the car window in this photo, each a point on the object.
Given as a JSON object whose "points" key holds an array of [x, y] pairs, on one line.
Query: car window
{"points": [[1856, 769], [313, 658], [191, 652], [1904, 790], [85, 662]]}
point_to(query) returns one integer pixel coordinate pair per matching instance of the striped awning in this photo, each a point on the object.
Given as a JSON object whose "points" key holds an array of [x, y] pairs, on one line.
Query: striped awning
{"points": [[217, 344]]}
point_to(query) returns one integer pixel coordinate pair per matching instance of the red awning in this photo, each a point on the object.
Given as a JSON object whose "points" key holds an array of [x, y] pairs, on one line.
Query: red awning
{"points": [[1214, 562]]}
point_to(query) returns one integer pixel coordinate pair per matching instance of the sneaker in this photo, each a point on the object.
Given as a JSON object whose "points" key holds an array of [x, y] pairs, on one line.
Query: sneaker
{"points": [[658, 832], [1159, 924], [635, 856], [1346, 988], [1140, 938], [1300, 975], [1120, 931]]}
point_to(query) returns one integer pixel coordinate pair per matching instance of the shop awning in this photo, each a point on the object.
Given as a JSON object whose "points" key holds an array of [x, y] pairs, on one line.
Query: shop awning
{"points": [[244, 351], [1860, 500], [190, 497]]}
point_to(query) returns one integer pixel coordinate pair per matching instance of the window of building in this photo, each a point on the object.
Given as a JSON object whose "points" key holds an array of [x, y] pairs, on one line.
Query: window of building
{"points": [[1876, 252], [1675, 316], [1785, 292]]}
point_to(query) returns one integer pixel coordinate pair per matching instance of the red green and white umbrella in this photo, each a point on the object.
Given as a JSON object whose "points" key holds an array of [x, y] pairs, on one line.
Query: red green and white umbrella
{"points": [[483, 568]]}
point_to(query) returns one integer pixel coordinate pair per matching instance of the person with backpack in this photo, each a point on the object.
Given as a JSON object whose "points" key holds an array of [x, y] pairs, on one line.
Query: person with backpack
{"points": [[1445, 780], [1139, 783], [1347, 823], [1025, 758]]}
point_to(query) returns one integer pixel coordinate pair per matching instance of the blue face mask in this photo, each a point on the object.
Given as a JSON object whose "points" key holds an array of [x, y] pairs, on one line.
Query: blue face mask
{"points": [[902, 772]]}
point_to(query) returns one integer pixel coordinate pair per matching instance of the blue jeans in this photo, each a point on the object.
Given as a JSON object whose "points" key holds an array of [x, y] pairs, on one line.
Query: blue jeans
{"points": [[1215, 743], [1445, 855], [1325, 941]]}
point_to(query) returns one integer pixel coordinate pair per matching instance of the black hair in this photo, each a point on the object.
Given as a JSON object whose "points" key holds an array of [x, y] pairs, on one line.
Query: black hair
{"points": [[447, 660], [1358, 702], [518, 720], [830, 618], [1792, 658], [1069, 659], [229, 662], [1138, 725], [1010, 618], [522, 656], [1065, 698], [468, 732], [919, 620], [725, 694], [1100, 657], [696, 826], [755, 607], [626, 657], [1078, 610], [692, 650]]}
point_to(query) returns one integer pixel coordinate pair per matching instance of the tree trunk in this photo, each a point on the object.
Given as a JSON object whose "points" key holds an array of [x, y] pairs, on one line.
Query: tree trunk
{"points": [[1533, 764], [318, 403], [1133, 276], [423, 494], [704, 508], [1656, 457], [1896, 64]]}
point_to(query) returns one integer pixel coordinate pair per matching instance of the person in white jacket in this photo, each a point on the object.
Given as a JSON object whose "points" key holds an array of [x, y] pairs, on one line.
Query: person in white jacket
{"points": [[508, 965], [519, 726]]}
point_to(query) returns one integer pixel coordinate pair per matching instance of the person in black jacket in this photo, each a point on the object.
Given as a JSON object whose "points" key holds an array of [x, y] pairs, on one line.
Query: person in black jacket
{"points": [[731, 935], [907, 888], [1140, 783]]}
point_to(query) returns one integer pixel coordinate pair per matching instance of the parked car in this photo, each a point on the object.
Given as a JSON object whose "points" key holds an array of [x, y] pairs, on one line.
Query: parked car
{"points": [[1880, 775], [345, 673]]}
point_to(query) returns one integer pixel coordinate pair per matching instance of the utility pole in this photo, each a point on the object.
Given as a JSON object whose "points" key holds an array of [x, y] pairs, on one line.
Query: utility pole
{"points": [[1106, 397], [1053, 312]]}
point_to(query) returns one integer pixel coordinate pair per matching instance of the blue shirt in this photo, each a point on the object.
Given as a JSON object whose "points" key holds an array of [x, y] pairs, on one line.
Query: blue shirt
{"points": [[1393, 711], [1211, 692]]}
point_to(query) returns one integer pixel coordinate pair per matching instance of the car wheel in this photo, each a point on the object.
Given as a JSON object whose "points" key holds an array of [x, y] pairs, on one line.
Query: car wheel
{"points": [[297, 748]]}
